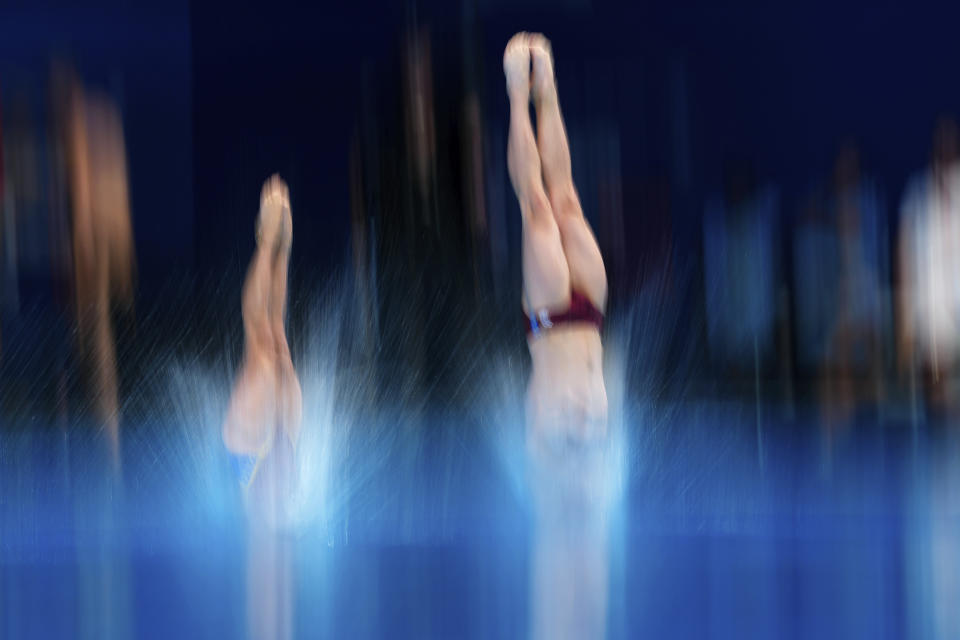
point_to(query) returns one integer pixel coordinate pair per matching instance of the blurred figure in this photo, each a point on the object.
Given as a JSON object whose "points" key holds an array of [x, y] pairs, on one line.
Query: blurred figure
{"points": [[262, 424], [419, 123], [841, 267], [929, 261], [564, 292], [103, 258], [473, 186], [741, 271]]}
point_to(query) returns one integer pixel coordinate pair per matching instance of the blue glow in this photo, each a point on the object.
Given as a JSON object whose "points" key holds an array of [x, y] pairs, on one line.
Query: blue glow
{"points": [[415, 521]]}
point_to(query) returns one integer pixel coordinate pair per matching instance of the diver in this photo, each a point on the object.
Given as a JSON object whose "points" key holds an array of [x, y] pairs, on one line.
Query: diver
{"points": [[262, 424], [564, 295]]}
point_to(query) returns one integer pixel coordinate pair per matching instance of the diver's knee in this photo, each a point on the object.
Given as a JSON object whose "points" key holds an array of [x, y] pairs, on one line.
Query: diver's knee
{"points": [[565, 202], [537, 212]]}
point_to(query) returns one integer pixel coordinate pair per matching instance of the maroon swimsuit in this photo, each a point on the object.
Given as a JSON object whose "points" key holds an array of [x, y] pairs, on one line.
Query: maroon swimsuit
{"points": [[581, 310]]}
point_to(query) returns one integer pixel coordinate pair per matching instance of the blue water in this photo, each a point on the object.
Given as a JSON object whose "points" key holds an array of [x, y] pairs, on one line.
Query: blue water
{"points": [[709, 539]]}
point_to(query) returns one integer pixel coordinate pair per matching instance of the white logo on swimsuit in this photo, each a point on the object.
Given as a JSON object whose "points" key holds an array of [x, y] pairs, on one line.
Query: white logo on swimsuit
{"points": [[544, 317]]}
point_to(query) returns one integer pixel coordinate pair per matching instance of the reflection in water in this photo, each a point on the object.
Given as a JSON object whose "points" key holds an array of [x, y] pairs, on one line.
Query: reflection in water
{"points": [[939, 560]]}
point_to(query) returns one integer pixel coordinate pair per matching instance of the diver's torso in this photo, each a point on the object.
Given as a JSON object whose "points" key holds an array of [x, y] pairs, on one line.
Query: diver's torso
{"points": [[566, 395]]}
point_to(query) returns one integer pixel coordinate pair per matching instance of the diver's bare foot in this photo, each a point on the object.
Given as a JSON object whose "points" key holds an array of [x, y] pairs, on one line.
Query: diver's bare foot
{"points": [[542, 82], [516, 66], [274, 199]]}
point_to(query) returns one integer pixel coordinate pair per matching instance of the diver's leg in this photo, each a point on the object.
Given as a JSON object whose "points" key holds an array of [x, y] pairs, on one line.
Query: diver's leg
{"points": [[252, 414], [109, 215], [546, 278], [290, 397], [84, 128], [587, 273]]}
